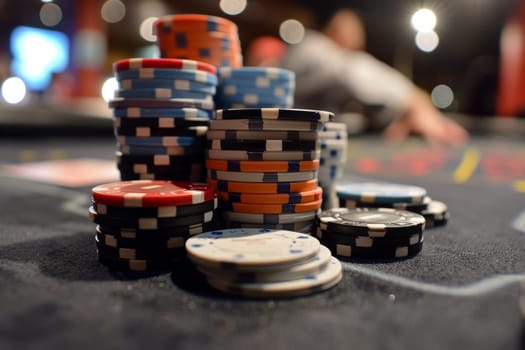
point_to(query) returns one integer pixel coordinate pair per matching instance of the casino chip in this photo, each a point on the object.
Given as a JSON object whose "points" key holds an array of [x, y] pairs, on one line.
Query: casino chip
{"points": [[333, 138], [380, 192], [256, 87], [143, 225], [399, 197], [371, 233], [264, 162], [163, 107], [209, 39], [263, 263]]}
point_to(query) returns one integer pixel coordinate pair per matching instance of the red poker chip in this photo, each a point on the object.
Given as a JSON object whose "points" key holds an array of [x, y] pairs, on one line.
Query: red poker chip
{"points": [[152, 193], [170, 63]]}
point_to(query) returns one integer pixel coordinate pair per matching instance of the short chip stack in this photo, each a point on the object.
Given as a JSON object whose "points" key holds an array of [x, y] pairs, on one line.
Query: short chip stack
{"points": [[142, 225], [254, 87], [161, 115], [371, 233], [397, 196], [264, 163], [334, 142], [263, 263], [210, 39]]}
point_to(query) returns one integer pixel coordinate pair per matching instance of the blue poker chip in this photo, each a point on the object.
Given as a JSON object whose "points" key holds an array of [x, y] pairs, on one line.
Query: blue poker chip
{"points": [[162, 103], [165, 73], [161, 93], [237, 90], [261, 104], [137, 112], [166, 141], [254, 98], [175, 84], [379, 192], [271, 72], [256, 83]]}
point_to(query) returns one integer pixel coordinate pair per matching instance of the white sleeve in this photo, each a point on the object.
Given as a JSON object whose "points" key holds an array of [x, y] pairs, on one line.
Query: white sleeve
{"points": [[320, 63]]}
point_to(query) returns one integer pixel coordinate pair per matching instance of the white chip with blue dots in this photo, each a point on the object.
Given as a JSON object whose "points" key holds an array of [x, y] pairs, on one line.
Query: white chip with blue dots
{"points": [[251, 248]]}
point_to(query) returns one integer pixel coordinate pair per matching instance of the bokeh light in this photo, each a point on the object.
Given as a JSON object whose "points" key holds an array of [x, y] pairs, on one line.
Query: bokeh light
{"points": [[108, 89], [291, 31], [424, 20], [50, 14], [113, 11], [146, 29], [13, 90], [442, 96], [233, 7], [427, 41]]}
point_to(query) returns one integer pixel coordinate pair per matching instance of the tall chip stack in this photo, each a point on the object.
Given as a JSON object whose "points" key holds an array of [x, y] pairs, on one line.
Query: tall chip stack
{"points": [[334, 142], [142, 225], [264, 163], [255, 87], [210, 39], [161, 115]]}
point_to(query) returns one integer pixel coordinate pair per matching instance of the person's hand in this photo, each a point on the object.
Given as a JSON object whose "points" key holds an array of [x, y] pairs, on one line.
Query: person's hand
{"points": [[425, 120]]}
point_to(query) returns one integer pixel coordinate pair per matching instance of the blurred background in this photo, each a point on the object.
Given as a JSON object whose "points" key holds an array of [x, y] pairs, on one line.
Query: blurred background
{"points": [[469, 54]]}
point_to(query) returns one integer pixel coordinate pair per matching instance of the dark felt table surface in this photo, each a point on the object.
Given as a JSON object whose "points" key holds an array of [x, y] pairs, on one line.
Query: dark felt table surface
{"points": [[460, 292]]}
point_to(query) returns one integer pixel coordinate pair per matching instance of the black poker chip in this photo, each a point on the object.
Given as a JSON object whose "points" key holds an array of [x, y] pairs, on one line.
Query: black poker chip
{"points": [[373, 222], [158, 159], [369, 242], [156, 212], [144, 252], [275, 113], [160, 122], [149, 223], [136, 265], [349, 252], [263, 145], [161, 233], [146, 131], [436, 214]]}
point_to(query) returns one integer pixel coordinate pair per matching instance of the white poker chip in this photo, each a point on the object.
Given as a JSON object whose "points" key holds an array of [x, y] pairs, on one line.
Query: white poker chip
{"points": [[302, 270], [251, 248], [323, 280]]}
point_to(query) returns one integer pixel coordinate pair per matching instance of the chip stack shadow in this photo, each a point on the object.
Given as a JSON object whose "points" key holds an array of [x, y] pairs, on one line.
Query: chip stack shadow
{"points": [[264, 163], [161, 117], [142, 225]]}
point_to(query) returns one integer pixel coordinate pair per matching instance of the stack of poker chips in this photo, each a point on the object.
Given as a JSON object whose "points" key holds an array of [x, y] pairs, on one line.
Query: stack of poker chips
{"points": [[142, 225], [263, 163], [254, 87], [161, 116], [397, 196], [334, 142], [371, 233], [210, 39], [263, 263]]}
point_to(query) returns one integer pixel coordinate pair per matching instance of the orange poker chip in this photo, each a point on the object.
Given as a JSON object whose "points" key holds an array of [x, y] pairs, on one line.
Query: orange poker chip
{"points": [[267, 187], [262, 166], [273, 198], [195, 17], [259, 208]]}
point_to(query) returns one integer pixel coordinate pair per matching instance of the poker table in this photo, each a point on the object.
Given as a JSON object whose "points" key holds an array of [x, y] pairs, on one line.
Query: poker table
{"points": [[461, 292]]}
